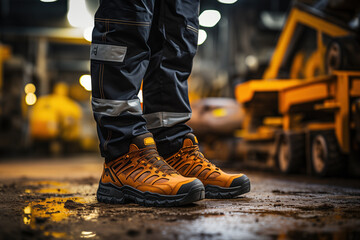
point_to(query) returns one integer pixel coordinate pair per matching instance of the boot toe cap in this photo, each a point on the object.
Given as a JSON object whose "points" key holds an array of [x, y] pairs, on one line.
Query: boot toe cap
{"points": [[240, 181], [186, 188]]}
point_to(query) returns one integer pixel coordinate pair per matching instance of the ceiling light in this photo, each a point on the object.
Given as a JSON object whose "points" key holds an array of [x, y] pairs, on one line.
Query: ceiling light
{"points": [[227, 1], [47, 1], [209, 18], [78, 15]]}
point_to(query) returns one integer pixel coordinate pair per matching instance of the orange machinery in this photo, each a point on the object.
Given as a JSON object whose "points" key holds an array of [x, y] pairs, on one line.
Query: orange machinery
{"points": [[304, 115]]}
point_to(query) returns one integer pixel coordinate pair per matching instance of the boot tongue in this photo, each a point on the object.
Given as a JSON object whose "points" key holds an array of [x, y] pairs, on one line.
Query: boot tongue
{"points": [[190, 140], [143, 141], [147, 141]]}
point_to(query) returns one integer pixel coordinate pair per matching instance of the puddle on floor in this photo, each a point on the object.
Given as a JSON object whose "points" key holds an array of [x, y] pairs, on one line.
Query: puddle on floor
{"points": [[57, 202]]}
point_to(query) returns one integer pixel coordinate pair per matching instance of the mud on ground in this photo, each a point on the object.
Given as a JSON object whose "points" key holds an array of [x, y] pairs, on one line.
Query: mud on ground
{"points": [[278, 207]]}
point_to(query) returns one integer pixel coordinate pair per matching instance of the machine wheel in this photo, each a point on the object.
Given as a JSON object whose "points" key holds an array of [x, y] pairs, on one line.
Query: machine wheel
{"points": [[333, 59], [291, 153], [325, 155], [340, 54]]}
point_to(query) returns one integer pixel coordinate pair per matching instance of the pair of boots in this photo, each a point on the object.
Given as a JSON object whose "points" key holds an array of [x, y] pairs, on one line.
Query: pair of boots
{"points": [[144, 177]]}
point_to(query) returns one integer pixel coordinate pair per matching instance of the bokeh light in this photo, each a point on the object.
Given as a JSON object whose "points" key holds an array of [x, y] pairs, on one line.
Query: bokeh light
{"points": [[30, 88], [209, 18], [202, 36], [85, 81], [30, 99]]}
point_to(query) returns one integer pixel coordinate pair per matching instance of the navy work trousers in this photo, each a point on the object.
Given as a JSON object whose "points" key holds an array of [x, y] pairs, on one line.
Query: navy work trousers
{"points": [[153, 41]]}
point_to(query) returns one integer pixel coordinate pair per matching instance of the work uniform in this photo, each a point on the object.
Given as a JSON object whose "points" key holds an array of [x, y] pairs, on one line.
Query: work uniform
{"points": [[153, 41]]}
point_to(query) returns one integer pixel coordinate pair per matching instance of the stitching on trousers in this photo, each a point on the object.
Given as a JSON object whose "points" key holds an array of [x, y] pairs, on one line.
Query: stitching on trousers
{"points": [[99, 81], [189, 26], [102, 94], [130, 24], [102, 77], [103, 38], [144, 25], [102, 81], [118, 20], [107, 29], [192, 29]]}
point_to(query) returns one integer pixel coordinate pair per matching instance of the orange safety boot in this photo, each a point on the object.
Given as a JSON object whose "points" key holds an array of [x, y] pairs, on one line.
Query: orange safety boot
{"points": [[190, 162], [143, 177]]}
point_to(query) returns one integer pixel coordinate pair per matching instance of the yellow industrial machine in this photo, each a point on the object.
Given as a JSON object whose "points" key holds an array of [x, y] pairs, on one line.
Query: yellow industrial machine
{"points": [[304, 115], [56, 117]]}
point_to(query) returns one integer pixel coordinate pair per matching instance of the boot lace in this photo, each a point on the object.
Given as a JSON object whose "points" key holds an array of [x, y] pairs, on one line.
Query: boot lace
{"points": [[151, 156], [198, 156]]}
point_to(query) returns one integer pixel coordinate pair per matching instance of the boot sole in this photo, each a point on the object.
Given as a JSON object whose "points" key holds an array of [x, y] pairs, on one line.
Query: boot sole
{"points": [[216, 192], [112, 194]]}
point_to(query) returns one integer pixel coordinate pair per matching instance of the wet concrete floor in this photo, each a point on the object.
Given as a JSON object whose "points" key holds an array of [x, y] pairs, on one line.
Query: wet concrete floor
{"points": [[55, 199]]}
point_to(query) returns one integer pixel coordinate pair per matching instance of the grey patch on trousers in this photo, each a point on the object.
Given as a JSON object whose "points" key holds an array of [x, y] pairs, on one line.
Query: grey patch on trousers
{"points": [[105, 52], [165, 119], [114, 108]]}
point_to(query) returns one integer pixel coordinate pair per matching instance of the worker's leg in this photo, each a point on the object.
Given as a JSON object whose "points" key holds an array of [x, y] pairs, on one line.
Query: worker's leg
{"points": [[119, 59], [134, 171], [173, 43]]}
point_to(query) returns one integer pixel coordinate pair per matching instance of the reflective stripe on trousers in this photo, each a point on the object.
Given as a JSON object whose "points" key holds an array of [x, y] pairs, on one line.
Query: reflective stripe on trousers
{"points": [[125, 34]]}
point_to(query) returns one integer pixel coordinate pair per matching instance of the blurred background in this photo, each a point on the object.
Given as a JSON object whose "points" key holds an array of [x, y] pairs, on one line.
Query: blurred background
{"points": [[274, 84]]}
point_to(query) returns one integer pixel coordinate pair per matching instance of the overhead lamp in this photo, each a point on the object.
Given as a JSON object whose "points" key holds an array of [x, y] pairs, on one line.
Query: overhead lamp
{"points": [[85, 81], [227, 1], [48, 1], [78, 16], [202, 36], [209, 18]]}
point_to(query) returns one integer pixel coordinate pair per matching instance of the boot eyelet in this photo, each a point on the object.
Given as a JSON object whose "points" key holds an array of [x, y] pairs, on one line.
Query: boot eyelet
{"points": [[157, 171]]}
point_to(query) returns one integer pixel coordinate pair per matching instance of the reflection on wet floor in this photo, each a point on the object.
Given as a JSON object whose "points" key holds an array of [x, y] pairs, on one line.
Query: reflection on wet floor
{"points": [[274, 209], [57, 202], [86, 234], [52, 208]]}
